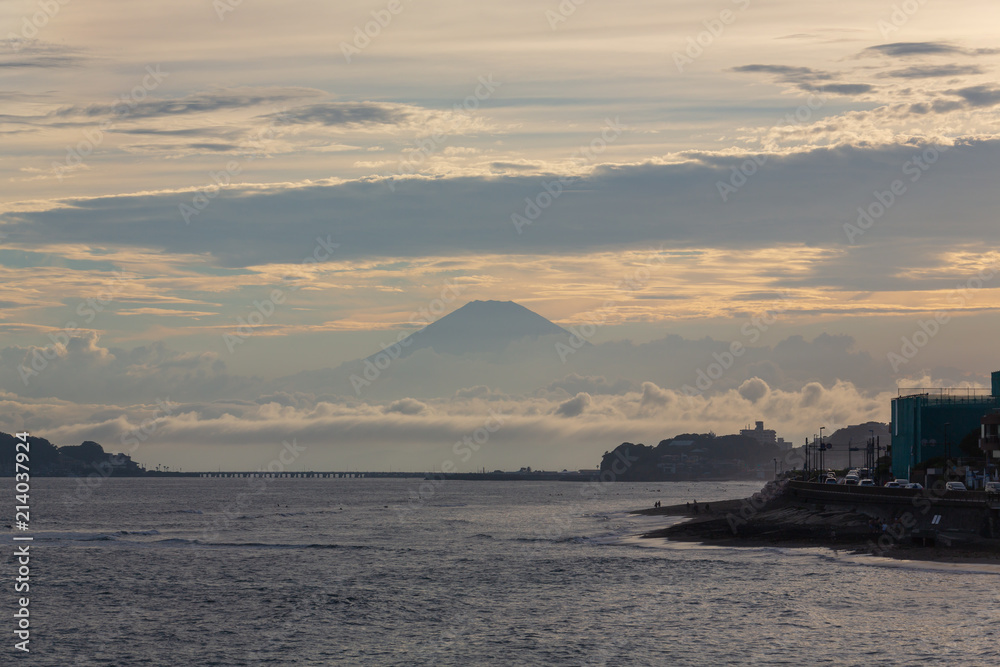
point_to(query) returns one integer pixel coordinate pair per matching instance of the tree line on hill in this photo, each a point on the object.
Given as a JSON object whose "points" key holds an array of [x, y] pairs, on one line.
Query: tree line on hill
{"points": [[690, 456], [48, 460]]}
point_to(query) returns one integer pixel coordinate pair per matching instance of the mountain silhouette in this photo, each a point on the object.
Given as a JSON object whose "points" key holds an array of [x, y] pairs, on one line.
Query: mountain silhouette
{"points": [[473, 345], [481, 326]]}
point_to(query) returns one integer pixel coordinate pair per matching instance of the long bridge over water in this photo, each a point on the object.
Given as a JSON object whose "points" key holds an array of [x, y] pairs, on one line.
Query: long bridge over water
{"points": [[302, 475]]}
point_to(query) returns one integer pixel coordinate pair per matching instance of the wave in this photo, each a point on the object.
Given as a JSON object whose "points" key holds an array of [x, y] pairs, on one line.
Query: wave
{"points": [[259, 545]]}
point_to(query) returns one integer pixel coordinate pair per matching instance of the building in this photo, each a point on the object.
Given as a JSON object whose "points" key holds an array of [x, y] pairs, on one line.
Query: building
{"points": [[765, 436], [930, 422]]}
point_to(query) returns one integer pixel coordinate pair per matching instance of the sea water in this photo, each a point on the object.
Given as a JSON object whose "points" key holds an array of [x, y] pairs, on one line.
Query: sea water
{"points": [[198, 571]]}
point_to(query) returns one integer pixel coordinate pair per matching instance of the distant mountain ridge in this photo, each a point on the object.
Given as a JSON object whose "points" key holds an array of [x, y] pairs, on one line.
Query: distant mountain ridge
{"points": [[471, 346], [480, 327]]}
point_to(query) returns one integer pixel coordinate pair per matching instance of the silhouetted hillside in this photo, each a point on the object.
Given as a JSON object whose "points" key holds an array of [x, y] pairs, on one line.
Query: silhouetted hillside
{"points": [[47, 460], [690, 456]]}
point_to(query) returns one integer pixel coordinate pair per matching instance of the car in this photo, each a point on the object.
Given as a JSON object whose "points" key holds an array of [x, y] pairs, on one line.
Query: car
{"points": [[992, 487], [892, 485], [902, 482], [955, 486], [830, 480], [866, 482], [851, 480], [914, 485]]}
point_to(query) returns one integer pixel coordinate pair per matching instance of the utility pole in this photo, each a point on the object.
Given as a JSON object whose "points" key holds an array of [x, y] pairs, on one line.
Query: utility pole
{"points": [[822, 452]]}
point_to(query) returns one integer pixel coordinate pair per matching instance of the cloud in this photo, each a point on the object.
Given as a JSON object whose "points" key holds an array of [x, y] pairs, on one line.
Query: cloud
{"points": [[575, 406], [807, 79], [407, 406], [653, 397], [678, 204], [843, 88], [754, 389], [575, 383], [979, 96], [38, 54], [195, 103], [342, 113], [905, 49], [536, 431], [932, 71], [78, 368]]}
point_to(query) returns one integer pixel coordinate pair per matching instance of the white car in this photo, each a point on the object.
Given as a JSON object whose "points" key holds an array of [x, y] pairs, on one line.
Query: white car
{"points": [[866, 482], [914, 485], [993, 487], [892, 485], [955, 486]]}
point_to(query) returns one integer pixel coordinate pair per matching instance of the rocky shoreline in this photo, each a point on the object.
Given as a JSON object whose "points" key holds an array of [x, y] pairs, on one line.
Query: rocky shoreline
{"points": [[773, 517]]}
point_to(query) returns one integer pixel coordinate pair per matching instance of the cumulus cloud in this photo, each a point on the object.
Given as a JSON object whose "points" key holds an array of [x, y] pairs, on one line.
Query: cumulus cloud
{"points": [[754, 389], [79, 368], [654, 397], [574, 383], [418, 435], [407, 406], [575, 406]]}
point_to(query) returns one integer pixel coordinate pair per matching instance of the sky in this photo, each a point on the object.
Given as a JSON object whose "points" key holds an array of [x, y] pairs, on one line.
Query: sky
{"points": [[213, 209]]}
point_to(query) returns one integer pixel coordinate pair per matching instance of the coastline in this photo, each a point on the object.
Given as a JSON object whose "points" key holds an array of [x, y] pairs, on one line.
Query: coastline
{"points": [[779, 522]]}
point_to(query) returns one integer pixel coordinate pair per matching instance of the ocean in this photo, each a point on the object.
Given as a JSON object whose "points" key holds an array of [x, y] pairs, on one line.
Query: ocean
{"points": [[196, 571]]}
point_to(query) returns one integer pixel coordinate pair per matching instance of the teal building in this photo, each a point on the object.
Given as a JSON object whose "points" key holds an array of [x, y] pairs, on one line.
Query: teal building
{"points": [[931, 422]]}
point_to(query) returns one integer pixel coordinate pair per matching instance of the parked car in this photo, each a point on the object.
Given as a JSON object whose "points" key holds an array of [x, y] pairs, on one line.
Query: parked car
{"points": [[866, 482], [955, 486]]}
